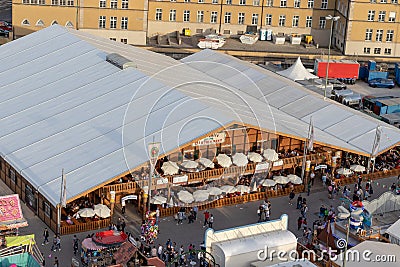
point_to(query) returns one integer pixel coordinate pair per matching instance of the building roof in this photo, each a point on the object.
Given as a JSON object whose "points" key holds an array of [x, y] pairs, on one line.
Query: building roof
{"points": [[63, 106], [394, 229]]}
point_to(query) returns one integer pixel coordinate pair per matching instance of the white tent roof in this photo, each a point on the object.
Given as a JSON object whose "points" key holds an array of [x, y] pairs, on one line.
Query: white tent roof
{"points": [[63, 106], [297, 72], [394, 229]]}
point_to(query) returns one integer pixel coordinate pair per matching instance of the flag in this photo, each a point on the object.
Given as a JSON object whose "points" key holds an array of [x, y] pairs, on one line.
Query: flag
{"points": [[375, 146], [310, 146], [64, 190]]}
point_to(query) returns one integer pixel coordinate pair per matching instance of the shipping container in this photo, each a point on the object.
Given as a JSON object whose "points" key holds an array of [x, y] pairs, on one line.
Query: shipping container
{"points": [[371, 65], [377, 74], [337, 68], [388, 106], [363, 73], [397, 73]]}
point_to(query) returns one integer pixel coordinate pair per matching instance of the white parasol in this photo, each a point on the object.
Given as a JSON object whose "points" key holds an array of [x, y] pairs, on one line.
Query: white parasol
{"points": [[185, 196], [240, 159], [357, 168], [344, 171], [201, 195], [224, 160], [242, 189], [214, 191], [170, 168], [294, 179], [189, 164], [102, 211], [254, 157], [86, 212], [270, 154], [158, 200], [269, 182], [206, 163], [281, 179], [228, 189]]}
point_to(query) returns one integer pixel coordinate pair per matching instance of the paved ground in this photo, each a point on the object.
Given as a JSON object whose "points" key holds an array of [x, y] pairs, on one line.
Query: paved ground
{"points": [[5, 10], [192, 233]]}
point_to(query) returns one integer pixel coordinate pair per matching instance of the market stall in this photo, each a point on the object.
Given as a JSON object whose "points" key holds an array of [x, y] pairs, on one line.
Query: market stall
{"points": [[11, 217]]}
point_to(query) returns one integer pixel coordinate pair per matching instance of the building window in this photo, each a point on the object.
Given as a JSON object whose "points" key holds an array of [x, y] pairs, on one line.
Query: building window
{"points": [[125, 4], [113, 39], [102, 3], [186, 1], [383, 1], [124, 23], [102, 22], [389, 35], [322, 22], [256, 2], [69, 24], [269, 2], [186, 15], [26, 2], [199, 31], [46, 208], [54, 22], [11, 175], [254, 19], [113, 3], [228, 2], [379, 35], [297, 3], [242, 2], [368, 34], [200, 16], [241, 18], [283, 3], [295, 21], [394, 1], [62, 2], [200, 1], [381, 16], [70, 2], [367, 50], [268, 19], [172, 15], [371, 15], [214, 16], [124, 41], [39, 23], [227, 31], [282, 21], [54, 2], [308, 21], [228, 17], [377, 50], [372, 1], [324, 4], [310, 4], [392, 16], [25, 22], [113, 22], [158, 14], [215, 1], [387, 51], [30, 198]]}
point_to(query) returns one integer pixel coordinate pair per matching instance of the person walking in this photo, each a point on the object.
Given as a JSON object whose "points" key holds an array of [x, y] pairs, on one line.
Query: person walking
{"points": [[54, 246], [157, 215], [211, 221], [180, 217], [291, 197], [45, 236], [123, 225], [56, 263], [308, 189], [259, 213], [206, 217], [299, 202], [123, 207], [195, 211], [159, 251], [58, 243], [312, 177], [299, 223], [75, 244]]}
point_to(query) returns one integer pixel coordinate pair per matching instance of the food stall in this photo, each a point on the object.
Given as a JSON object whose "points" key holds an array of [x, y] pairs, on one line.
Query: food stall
{"points": [[11, 218]]}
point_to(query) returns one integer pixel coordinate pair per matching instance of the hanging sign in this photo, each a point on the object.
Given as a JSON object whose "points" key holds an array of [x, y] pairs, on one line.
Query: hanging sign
{"points": [[216, 138], [262, 167], [180, 179], [278, 163]]}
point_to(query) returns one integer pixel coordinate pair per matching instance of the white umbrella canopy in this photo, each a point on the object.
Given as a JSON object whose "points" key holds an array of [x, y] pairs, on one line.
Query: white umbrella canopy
{"points": [[206, 162], [86, 212], [240, 159], [294, 179], [103, 213], [242, 189], [224, 160], [185, 196], [158, 200], [281, 179], [344, 171], [189, 164], [214, 191], [269, 182], [270, 154], [170, 168], [228, 189], [357, 168], [201, 195], [254, 157]]}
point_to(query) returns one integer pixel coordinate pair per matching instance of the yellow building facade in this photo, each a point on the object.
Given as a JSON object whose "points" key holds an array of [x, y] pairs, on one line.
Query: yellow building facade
{"points": [[365, 27]]}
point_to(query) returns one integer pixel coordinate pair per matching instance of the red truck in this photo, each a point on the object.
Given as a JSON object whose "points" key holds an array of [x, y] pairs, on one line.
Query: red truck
{"points": [[340, 69]]}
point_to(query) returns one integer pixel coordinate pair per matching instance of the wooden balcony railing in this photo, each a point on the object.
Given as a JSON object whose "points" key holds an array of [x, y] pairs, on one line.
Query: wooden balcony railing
{"points": [[84, 227], [367, 177]]}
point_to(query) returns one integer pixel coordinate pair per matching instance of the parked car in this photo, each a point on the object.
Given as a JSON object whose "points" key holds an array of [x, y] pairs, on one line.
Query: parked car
{"points": [[5, 26], [381, 83]]}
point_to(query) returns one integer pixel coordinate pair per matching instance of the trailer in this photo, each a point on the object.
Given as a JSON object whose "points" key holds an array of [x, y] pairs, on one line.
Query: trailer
{"points": [[340, 69]]}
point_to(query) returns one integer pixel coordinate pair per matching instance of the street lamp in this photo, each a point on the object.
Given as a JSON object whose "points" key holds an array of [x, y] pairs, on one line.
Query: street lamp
{"points": [[330, 17]]}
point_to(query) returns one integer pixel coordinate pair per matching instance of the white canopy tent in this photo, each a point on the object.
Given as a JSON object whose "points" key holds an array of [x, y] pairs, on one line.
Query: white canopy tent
{"points": [[394, 233], [297, 72]]}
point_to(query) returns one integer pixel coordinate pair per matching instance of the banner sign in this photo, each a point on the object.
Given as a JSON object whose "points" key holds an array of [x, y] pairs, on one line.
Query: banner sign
{"points": [[154, 151], [278, 163], [216, 138], [308, 165], [262, 167], [180, 179], [321, 167], [162, 181], [134, 197], [10, 208]]}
